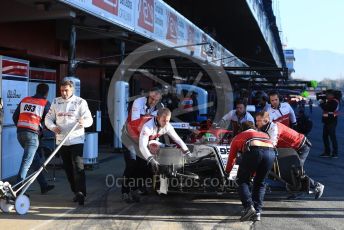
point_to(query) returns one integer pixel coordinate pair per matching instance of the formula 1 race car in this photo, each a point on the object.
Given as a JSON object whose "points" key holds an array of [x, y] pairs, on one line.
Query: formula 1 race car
{"points": [[203, 132], [205, 172]]}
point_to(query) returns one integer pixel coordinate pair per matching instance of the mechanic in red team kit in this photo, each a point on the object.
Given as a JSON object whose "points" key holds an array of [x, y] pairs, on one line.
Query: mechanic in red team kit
{"points": [[285, 137], [258, 155]]}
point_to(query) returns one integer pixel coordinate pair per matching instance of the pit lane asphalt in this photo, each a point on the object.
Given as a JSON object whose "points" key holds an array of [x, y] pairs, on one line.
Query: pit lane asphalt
{"points": [[105, 210]]}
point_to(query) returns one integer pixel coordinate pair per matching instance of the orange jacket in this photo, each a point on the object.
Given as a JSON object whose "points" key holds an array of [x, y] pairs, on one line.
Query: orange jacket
{"points": [[31, 113]]}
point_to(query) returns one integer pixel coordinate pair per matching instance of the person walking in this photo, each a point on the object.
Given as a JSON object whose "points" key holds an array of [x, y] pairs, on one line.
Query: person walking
{"points": [[28, 118], [64, 113]]}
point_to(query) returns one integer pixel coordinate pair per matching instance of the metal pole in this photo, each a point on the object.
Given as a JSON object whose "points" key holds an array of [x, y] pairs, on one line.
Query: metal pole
{"points": [[117, 139], [72, 63], [122, 49]]}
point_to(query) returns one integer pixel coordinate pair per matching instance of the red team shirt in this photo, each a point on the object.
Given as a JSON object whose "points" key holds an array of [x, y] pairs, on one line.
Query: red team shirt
{"points": [[239, 143]]}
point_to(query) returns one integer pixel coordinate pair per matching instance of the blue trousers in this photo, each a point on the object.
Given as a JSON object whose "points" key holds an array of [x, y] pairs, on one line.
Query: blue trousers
{"points": [[31, 158], [258, 160]]}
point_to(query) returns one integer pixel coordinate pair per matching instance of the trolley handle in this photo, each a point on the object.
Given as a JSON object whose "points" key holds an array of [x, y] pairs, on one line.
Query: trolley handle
{"points": [[60, 145], [29, 180]]}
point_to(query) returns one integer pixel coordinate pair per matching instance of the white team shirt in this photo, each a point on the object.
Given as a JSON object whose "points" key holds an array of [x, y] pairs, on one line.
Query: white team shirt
{"points": [[232, 116], [140, 108], [284, 114], [65, 113], [150, 131]]}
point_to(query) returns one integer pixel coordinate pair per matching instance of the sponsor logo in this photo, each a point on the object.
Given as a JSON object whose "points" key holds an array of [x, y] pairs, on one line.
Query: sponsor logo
{"points": [[204, 47], [146, 15], [110, 6], [191, 37], [68, 114], [172, 28], [13, 94]]}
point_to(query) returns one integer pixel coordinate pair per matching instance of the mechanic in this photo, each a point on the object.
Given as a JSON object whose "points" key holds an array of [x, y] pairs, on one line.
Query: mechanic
{"points": [[237, 116], [285, 137], [152, 130], [64, 113], [142, 109], [330, 108], [149, 128], [258, 155], [281, 112], [28, 118], [146, 105]]}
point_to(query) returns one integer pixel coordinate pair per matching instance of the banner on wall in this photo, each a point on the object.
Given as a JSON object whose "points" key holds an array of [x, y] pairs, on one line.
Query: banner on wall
{"points": [[14, 77], [159, 21], [172, 28], [191, 37], [181, 32], [155, 20], [204, 47], [146, 15], [110, 6]]}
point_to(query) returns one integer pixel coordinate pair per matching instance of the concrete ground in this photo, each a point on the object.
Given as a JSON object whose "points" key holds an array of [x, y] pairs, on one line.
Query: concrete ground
{"points": [[105, 210]]}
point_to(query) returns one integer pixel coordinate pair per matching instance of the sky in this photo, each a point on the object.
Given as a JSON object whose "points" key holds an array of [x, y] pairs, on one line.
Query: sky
{"points": [[313, 24], [315, 30]]}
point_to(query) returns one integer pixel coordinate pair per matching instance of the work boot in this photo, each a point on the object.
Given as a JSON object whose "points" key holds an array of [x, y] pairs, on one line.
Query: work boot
{"points": [[248, 213], [325, 155], [47, 188], [319, 190], [80, 198], [334, 155], [256, 217]]}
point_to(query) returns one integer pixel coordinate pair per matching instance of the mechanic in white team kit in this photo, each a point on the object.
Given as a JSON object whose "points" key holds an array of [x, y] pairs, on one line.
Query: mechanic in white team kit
{"points": [[146, 105], [237, 116], [150, 128], [281, 111], [153, 129], [142, 109], [64, 113]]}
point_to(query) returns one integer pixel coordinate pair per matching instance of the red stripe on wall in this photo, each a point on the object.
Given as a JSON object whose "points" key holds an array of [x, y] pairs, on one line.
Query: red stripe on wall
{"points": [[15, 68], [43, 75]]}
